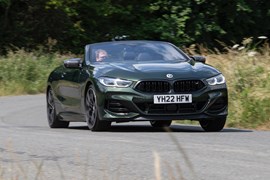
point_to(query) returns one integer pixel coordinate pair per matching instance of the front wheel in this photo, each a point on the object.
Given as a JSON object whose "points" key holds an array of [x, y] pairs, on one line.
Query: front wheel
{"points": [[53, 119], [159, 124], [92, 119], [213, 125]]}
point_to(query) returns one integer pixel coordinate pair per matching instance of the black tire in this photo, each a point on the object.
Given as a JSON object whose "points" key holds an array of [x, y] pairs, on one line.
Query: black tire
{"points": [[92, 118], [213, 125], [159, 124], [53, 119]]}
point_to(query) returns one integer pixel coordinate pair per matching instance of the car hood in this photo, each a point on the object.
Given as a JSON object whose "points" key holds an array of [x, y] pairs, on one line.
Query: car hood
{"points": [[135, 71]]}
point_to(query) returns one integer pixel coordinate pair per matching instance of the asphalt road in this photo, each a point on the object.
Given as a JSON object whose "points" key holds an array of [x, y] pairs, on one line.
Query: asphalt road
{"points": [[29, 149]]}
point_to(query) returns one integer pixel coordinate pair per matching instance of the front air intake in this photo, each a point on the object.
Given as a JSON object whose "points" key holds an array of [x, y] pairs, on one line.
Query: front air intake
{"points": [[153, 86], [188, 85], [116, 107]]}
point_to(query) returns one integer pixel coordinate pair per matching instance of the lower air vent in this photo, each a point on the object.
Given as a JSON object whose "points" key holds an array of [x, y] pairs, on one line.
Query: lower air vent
{"points": [[220, 104], [116, 107], [150, 108]]}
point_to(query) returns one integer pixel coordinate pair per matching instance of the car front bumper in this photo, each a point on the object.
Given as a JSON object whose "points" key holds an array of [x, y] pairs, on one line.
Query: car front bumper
{"points": [[127, 104]]}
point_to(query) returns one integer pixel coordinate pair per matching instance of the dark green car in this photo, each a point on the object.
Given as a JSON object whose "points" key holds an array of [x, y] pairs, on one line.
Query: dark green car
{"points": [[122, 81]]}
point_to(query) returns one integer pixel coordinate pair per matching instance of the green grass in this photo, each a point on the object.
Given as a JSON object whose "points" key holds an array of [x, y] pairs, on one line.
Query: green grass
{"points": [[26, 73], [247, 73]]}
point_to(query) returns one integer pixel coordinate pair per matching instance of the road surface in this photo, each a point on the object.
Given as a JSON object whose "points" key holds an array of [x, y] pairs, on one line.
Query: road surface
{"points": [[29, 149]]}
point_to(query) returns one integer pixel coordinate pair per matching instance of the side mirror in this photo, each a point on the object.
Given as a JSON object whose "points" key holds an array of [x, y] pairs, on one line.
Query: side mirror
{"points": [[199, 59], [73, 63]]}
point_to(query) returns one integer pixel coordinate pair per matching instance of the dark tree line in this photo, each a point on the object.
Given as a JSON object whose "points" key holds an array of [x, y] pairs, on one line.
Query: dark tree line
{"points": [[67, 25]]}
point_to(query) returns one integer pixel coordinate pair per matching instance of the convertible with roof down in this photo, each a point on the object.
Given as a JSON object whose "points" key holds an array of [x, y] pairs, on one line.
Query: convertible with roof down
{"points": [[123, 81]]}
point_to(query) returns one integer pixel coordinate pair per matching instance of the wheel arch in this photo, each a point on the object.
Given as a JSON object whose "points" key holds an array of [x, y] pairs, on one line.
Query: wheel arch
{"points": [[88, 84], [48, 88]]}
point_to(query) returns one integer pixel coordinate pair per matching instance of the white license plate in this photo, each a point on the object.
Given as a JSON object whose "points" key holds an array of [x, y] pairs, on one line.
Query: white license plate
{"points": [[172, 98]]}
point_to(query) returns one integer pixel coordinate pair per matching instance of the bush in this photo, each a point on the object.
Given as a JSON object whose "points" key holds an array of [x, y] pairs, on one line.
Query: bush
{"points": [[247, 71], [26, 73]]}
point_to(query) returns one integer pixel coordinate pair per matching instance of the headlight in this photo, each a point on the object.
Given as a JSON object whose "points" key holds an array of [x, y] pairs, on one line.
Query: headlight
{"points": [[114, 82], [220, 79]]}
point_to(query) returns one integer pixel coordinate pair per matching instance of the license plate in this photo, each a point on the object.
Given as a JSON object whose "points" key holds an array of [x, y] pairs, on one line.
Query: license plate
{"points": [[173, 99]]}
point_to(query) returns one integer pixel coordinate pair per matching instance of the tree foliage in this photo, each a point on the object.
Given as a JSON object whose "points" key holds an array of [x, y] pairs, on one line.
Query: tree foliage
{"points": [[73, 23]]}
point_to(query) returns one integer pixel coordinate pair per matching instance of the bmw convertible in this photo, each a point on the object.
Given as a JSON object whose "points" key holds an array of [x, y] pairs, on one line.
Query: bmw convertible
{"points": [[124, 81]]}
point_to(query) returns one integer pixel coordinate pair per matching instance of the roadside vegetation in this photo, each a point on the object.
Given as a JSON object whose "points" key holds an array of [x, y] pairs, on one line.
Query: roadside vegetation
{"points": [[29, 24], [246, 69], [23, 72]]}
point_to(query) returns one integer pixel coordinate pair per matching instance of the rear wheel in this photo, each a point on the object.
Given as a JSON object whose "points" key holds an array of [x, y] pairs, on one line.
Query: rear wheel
{"points": [[53, 119], [92, 118], [160, 123], [213, 125]]}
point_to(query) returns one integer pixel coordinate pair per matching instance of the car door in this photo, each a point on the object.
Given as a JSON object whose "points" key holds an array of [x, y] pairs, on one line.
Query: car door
{"points": [[69, 87]]}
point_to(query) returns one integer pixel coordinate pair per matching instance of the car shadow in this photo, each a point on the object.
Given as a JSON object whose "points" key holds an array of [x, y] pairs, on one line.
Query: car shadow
{"points": [[175, 128]]}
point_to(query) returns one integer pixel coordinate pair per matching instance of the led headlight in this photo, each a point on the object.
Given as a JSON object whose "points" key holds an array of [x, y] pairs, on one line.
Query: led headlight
{"points": [[114, 82], [220, 79]]}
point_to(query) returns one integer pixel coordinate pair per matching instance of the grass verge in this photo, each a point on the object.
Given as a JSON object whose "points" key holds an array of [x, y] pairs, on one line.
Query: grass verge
{"points": [[26, 73], [247, 72]]}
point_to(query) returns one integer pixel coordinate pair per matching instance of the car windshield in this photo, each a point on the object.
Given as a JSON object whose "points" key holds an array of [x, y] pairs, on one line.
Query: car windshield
{"points": [[136, 51]]}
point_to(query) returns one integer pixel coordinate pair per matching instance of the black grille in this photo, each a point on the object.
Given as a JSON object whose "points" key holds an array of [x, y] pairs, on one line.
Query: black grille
{"points": [[188, 85], [153, 86], [150, 108], [164, 86]]}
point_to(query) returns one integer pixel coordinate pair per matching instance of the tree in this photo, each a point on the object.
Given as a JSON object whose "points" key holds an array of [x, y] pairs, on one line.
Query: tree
{"points": [[73, 23]]}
